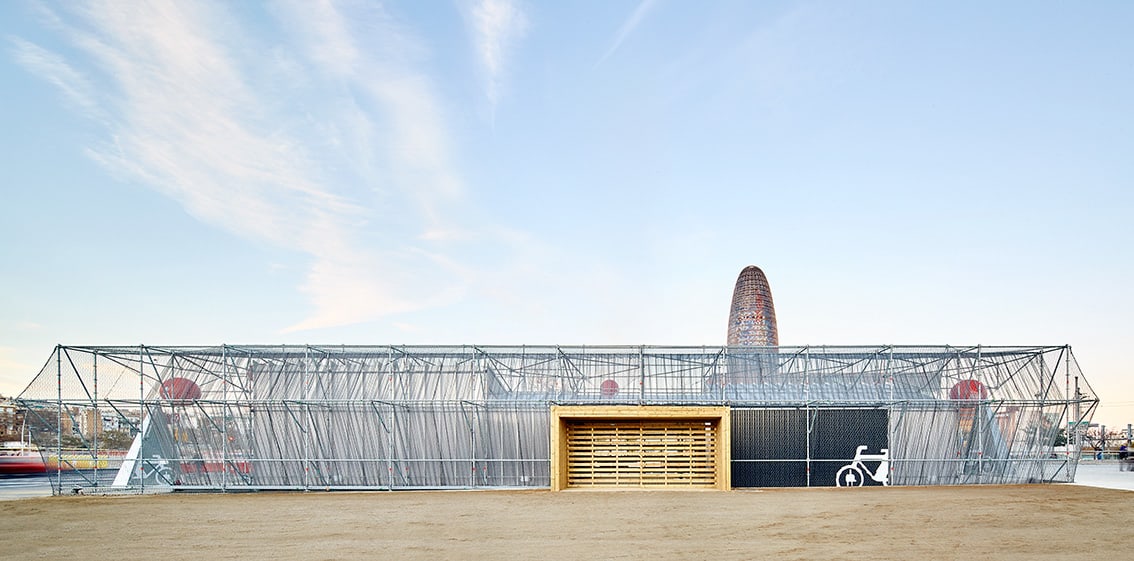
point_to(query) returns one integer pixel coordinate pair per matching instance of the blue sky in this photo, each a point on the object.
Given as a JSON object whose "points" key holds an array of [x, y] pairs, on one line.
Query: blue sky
{"points": [[496, 171]]}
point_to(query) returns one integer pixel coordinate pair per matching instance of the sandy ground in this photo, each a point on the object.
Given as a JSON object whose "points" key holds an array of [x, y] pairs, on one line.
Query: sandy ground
{"points": [[985, 522]]}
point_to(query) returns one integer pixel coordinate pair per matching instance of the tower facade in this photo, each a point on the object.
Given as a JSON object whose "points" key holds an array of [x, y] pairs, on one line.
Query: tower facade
{"points": [[752, 316]]}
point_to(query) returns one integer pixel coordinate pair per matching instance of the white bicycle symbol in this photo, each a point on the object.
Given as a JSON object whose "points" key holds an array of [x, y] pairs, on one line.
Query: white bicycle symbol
{"points": [[156, 471], [854, 474]]}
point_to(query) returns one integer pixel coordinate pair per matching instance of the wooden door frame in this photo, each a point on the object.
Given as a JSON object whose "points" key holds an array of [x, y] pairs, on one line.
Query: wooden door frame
{"points": [[561, 415]]}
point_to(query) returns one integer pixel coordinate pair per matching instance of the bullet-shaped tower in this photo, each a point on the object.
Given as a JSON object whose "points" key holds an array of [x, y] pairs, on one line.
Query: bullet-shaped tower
{"points": [[752, 317]]}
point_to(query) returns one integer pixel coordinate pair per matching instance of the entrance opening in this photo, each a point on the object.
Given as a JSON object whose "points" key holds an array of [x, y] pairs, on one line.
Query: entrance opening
{"points": [[625, 446]]}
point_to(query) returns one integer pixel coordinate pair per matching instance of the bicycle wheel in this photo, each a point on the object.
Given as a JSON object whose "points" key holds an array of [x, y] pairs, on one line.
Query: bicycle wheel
{"points": [[849, 476]]}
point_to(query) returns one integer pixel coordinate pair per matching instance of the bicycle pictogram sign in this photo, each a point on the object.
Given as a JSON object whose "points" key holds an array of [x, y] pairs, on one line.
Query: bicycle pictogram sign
{"points": [[855, 473]]}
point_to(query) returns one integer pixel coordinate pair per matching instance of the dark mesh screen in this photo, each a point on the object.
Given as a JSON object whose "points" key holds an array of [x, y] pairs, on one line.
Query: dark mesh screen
{"points": [[770, 446]]}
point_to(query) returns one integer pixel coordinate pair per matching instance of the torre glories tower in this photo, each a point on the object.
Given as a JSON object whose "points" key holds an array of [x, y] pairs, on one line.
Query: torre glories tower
{"points": [[752, 323], [752, 316]]}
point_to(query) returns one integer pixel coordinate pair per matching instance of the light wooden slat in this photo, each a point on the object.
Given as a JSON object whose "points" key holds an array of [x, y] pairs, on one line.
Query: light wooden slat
{"points": [[641, 453]]}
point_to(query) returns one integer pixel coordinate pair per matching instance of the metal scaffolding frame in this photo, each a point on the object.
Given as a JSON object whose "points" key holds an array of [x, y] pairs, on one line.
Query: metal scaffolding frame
{"points": [[400, 417]]}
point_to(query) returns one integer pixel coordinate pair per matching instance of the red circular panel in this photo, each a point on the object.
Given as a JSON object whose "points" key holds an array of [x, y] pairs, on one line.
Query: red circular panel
{"points": [[968, 389], [180, 389]]}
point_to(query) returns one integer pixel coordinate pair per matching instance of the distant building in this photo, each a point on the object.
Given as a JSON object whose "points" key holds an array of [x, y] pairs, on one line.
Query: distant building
{"points": [[11, 420], [752, 316]]}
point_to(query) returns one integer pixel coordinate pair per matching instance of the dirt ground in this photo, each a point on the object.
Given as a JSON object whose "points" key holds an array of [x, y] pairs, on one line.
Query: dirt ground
{"points": [[979, 522]]}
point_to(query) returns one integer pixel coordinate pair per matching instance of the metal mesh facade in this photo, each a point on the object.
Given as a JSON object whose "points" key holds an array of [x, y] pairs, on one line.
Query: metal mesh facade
{"points": [[385, 417]]}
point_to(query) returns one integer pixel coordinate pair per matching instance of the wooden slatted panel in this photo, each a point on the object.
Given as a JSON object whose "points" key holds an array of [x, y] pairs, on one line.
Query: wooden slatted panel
{"points": [[642, 453]]}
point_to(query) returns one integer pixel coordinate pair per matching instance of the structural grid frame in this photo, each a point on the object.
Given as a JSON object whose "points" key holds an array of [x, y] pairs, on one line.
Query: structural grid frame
{"points": [[235, 417]]}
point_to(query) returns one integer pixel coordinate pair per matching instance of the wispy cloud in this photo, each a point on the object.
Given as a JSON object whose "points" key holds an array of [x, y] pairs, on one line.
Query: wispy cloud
{"points": [[350, 284], [54, 69], [495, 26], [337, 150], [627, 28]]}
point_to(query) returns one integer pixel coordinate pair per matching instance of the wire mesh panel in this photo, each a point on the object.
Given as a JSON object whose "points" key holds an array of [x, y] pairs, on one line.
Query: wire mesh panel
{"points": [[769, 447], [839, 436], [389, 417]]}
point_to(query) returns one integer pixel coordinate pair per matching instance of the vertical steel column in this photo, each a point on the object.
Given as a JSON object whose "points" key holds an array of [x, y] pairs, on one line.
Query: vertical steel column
{"points": [[249, 444], [1067, 384], [890, 373], [890, 414], [224, 418], [642, 375], [98, 416], [807, 411], [981, 408], [139, 461], [472, 442], [306, 419], [807, 441], [717, 373], [1078, 422], [59, 420], [390, 446]]}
